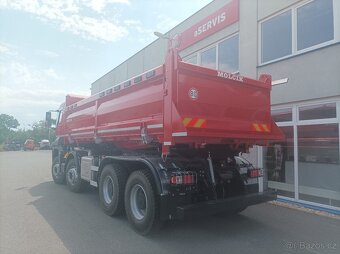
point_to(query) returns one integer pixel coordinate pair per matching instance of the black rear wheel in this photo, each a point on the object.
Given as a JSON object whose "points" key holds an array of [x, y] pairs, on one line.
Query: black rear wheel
{"points": [[141, 203], [111, 189], [58, 173], [73, 177]]}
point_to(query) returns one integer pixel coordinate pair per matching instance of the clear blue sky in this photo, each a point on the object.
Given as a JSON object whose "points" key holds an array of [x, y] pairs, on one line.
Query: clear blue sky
{"points": [[49, 48]]}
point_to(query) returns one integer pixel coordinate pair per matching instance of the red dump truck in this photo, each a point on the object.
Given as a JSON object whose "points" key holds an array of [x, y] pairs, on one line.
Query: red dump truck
{"points": [[162, 145]]}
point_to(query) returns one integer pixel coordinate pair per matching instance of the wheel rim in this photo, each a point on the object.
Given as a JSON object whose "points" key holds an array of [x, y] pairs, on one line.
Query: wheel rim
{"points": [[108, 189], [72, 176], [138, 202], [56, 170]]}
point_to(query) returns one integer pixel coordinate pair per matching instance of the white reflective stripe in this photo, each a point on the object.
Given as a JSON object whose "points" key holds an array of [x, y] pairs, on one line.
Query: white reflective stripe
{"points": [[179, 134], [155, 126], [82, 133], [120, 129], [167, 143], [279, 81]]}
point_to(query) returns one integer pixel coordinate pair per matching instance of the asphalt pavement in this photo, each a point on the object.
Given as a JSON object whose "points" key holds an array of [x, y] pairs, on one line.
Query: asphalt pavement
{"points": [[38, 216]]}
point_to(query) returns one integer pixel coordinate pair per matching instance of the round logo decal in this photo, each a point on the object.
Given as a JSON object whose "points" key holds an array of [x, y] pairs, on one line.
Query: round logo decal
{"points": [[193, 93]]}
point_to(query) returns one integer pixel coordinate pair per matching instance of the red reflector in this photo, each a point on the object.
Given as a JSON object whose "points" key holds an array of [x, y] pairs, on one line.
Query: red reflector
{"points": [[173, 180], [190, 179], [186, 178], [255, 173]]}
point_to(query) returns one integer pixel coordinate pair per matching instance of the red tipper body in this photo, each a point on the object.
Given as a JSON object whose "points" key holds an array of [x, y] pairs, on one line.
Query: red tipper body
{"points": [[176, 103]]}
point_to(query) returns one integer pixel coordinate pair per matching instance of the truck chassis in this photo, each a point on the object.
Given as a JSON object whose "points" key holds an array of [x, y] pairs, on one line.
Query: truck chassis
{"points": [[152, 190]]}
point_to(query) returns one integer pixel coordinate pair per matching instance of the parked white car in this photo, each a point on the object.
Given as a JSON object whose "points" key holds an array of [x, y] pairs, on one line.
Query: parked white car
{"points": [[44, 144]]}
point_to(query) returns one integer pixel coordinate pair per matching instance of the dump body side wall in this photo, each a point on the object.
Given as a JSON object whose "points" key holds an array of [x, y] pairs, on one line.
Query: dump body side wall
{"points": [[227, 108]]}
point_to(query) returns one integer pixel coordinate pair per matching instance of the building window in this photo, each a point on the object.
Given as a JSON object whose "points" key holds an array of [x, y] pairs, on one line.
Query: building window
{"points": [[279, 163], [314, 23], [282, 115], [323, 111], [192, 59], [228, 54], [310, 152], [300, 28], [319, 143], [208, 58], [318, 167], [276, 37], [223, 55]]}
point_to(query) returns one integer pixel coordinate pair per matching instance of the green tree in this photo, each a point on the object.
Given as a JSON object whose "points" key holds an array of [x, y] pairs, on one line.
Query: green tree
{"points": [[9, 131], [40, 132], [7, 124]]}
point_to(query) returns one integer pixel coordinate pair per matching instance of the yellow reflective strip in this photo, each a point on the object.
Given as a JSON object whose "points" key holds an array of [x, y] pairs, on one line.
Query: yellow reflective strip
{"points": [[186, 121], [265, 127], [199, 123], [257, 127]]}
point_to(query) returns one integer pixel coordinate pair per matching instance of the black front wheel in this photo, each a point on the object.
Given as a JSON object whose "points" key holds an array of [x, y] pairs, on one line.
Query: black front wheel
{"points": [[141, 203]]}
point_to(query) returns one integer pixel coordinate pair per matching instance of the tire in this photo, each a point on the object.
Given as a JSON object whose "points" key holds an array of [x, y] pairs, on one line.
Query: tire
{"points": [[111, 189], [58, 174], [141, 203], [73, 178]]}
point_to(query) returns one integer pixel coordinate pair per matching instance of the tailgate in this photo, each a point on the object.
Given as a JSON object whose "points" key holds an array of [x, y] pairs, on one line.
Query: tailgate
{"points": [[216, 104]]}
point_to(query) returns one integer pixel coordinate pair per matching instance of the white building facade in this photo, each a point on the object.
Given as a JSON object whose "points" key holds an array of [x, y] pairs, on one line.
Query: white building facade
{"points": [[294, 39]]}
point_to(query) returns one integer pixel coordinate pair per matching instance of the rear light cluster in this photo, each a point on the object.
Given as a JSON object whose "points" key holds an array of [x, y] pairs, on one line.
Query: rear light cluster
{"points": [[255, 173], [183, 178]]}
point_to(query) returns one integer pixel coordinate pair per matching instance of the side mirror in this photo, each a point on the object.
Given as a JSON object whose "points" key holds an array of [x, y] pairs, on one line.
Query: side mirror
{"points": [[48, 119], [51, 118]]}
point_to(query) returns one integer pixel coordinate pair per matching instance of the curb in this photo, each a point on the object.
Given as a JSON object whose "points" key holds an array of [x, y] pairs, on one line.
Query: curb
{"points": [[307, 208]]}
